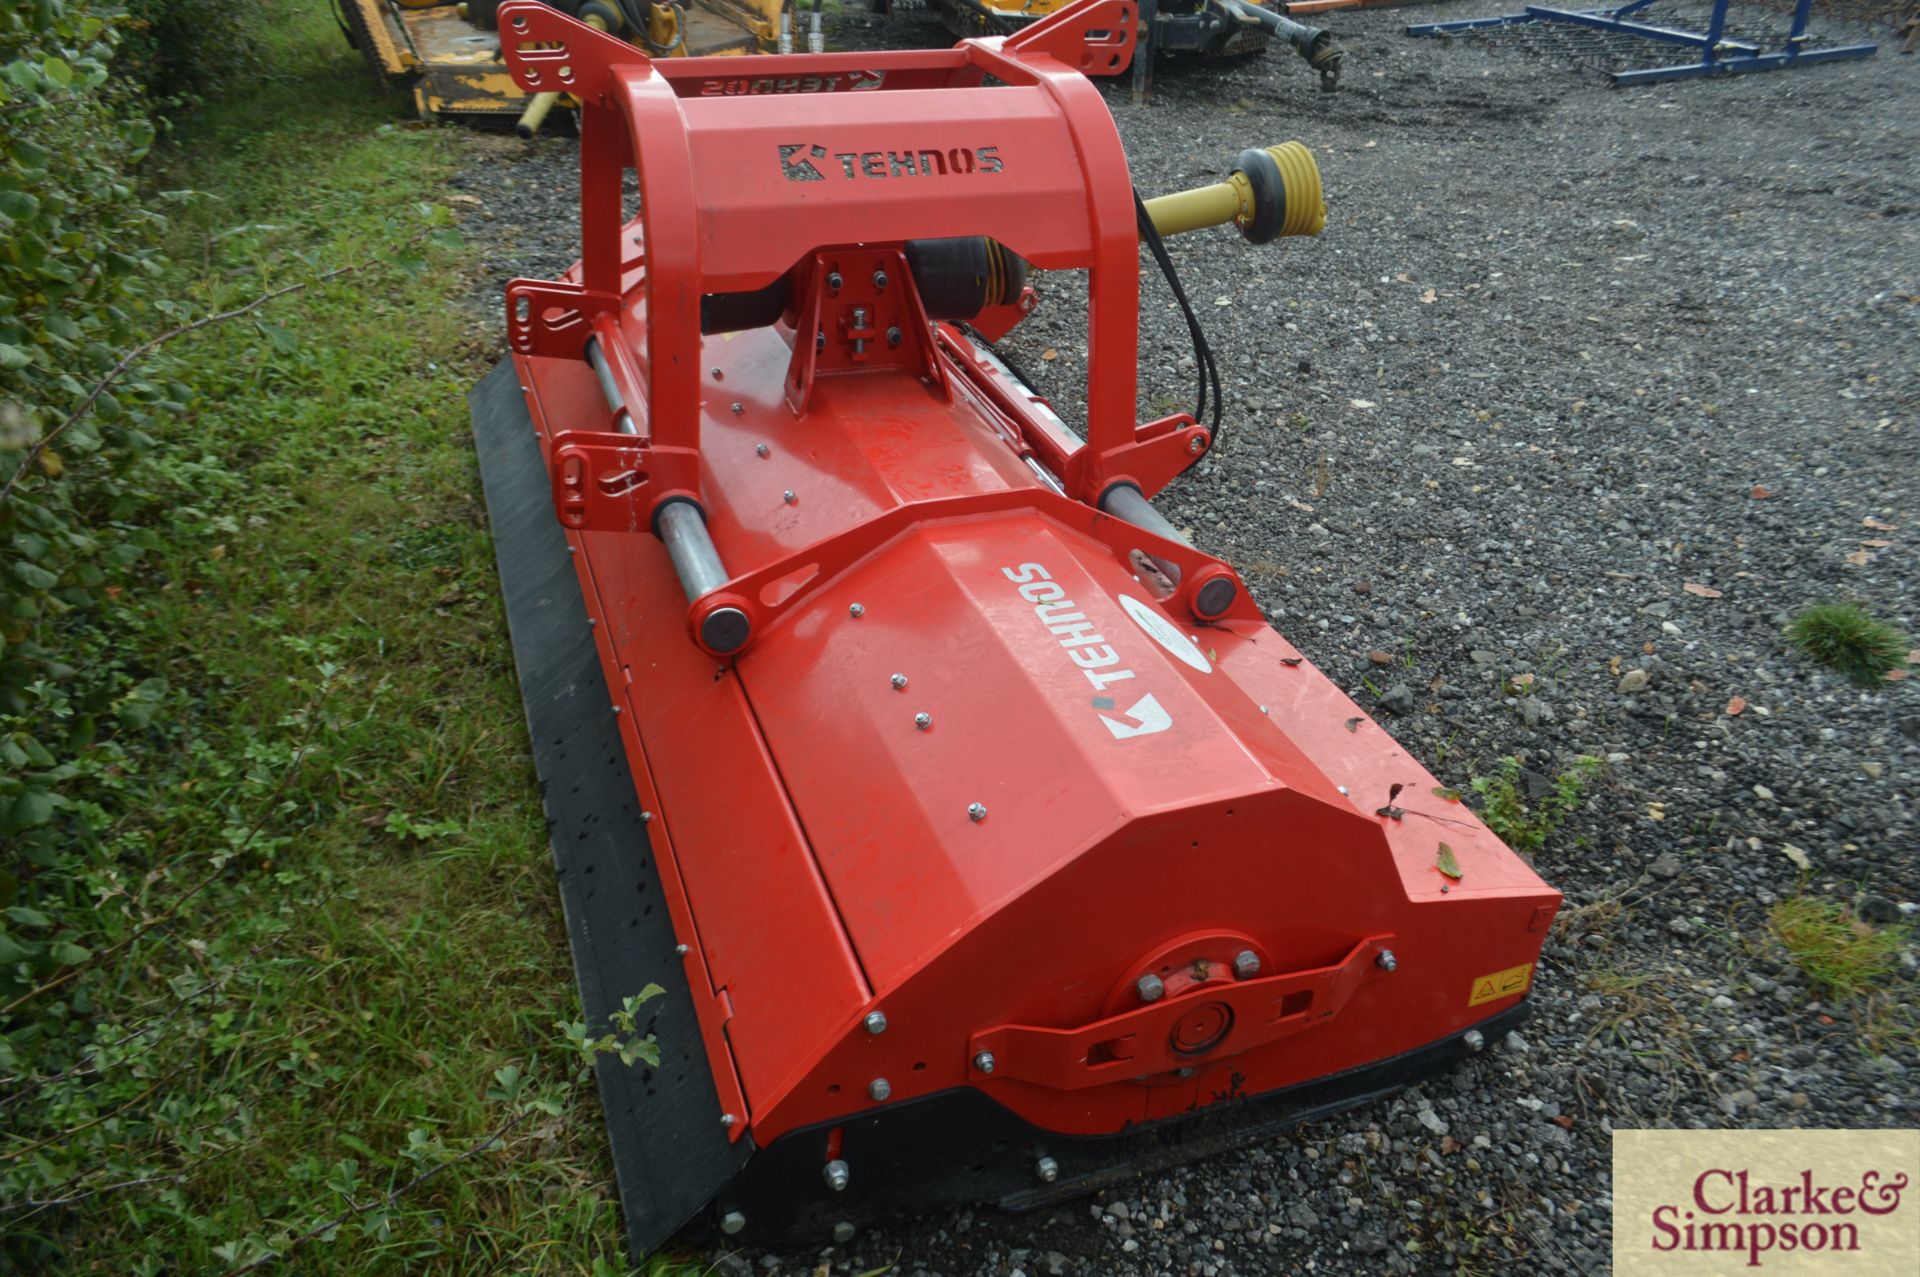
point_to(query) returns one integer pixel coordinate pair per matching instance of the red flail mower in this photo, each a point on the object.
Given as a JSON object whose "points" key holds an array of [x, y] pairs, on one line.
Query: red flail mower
{"points": [[987, 843]]}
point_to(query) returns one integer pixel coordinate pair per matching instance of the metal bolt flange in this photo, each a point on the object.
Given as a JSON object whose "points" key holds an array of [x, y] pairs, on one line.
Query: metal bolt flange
{"points": [[879, 280], [876, 1022], [1246, 964], [732, 1222], [857, 610], [1196, 443], [879, 1089], [835, 1173], [789, 496], [681, 949], [1386, 961], [976, 812], [984, 1061], [833, 280], [761, 450], [893, 336], [1473, 1039], [1047, 1169], [738, 407], [923, 721], [1150, 988], [726, 1119], [899, 682]]}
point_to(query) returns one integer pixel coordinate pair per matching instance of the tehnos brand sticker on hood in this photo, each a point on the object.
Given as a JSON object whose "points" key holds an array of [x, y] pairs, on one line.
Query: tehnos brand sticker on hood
{"points": [[1098, 660]]}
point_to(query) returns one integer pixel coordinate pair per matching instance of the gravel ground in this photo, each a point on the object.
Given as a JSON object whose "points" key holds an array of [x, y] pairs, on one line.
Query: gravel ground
{"points": [[1592, 385]]}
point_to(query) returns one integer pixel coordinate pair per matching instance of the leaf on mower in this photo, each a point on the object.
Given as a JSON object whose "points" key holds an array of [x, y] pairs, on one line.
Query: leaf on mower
{"points": [[1444, 793], [1446, 863]]}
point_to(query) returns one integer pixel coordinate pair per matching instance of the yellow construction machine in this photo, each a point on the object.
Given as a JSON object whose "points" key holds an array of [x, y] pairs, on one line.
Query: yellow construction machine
{"points": [[448, 54]]}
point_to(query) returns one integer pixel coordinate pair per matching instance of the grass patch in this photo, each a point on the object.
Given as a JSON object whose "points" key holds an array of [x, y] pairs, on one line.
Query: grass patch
{"points": [[1846, 637], [1524, 812], [1846, 957], [355, 980]]}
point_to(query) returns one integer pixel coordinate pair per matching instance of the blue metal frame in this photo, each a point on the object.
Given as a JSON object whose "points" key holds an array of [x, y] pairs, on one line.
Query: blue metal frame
{"points": [[1718, 56]]}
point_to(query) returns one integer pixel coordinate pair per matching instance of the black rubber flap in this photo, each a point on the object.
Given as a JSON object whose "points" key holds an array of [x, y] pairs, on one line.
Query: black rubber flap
{"points": [[670, 1152]]}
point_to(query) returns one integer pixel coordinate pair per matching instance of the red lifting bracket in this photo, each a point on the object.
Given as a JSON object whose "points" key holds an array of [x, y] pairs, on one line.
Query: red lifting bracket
{"points": [[736, 188], [1206, 1024]]}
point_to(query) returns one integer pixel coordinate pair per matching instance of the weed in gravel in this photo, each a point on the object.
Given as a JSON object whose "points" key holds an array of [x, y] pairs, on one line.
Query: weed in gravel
{"points": [[1846, 637], [1845, 956], [1523, 820]]}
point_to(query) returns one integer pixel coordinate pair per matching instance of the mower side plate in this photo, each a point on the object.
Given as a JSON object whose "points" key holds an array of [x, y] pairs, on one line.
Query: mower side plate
{"points": [[671, 1153]]}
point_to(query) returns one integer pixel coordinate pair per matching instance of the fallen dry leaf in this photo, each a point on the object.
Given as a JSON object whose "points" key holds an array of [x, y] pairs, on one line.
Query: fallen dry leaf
{"points": [[1894, 676], [1877, 525], [1759, 493], [1404, 278], [1797, 856], [1860, 558], [1429, 296], [1050, 354], [1361, 403], [1704, 591], [1736, 705], [1877, 543]]}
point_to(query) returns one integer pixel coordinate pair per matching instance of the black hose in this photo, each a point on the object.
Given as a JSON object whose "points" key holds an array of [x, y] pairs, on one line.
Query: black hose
{"points": [[1202, 353]]}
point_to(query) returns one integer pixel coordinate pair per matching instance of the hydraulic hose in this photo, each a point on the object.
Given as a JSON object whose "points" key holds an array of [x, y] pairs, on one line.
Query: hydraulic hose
{"points": [[1311, 43]]}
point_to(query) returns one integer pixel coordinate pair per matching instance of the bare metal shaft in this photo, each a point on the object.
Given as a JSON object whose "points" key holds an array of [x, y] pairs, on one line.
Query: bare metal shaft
{"points": [[622, 419], [1124, 501], [695, 561]]}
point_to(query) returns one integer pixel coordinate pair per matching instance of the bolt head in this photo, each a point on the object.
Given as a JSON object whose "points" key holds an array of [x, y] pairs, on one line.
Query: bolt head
{"points": [[1047, 1169], [893, 336], [835, 1174], [1150, 988], [1386, 961], [976, 812], [879, 279], [923, 721], [738, 407], [857, 610], [820, 339], [646, 818], [1473, 1040], [879, 1089], [681, 949], [732, 1222], [833, 280], [718, 375], [789, 496], [1342, 789], [1246, 964], [726, 1119], [899, 682], [984, 1061], [762, 450], [876, 1022], [843, 1231], [1196, 443]]}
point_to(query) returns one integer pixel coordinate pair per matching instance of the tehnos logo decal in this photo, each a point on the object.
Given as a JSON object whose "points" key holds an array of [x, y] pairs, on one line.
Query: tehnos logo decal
{"points": [[809, 162], [1096, 657]]}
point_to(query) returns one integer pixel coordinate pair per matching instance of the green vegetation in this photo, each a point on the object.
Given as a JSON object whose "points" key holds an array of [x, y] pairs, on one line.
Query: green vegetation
{"points": [[1525, 822], [281, 965], [1847, 638], [1846, 957]]}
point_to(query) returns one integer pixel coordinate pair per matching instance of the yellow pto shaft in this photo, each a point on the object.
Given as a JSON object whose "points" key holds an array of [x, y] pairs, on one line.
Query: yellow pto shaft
{"points": [[1271, 192]]}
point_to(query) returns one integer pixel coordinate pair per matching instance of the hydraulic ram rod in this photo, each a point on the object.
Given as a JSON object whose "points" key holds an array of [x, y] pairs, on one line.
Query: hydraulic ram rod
{"points": [[683, 528]]}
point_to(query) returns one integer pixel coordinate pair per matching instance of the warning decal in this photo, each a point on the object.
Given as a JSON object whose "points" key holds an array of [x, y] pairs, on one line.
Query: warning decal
{"points": [[1501, 984]]}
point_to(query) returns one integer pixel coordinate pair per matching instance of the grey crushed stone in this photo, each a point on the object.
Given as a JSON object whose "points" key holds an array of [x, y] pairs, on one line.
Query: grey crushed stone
{"points": [[1644, 304]]}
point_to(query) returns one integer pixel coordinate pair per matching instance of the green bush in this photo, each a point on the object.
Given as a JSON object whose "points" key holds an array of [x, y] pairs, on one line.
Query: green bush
{"points": [[181, 50], [76, 515]]}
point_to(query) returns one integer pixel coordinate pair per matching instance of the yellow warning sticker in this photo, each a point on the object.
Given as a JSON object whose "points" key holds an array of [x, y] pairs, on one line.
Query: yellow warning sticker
{"points": [[1501, 984]]}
